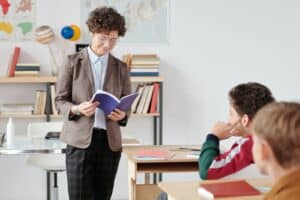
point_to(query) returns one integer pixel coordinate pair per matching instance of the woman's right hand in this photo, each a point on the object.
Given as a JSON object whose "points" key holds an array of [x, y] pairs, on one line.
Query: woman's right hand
{"points": [[86, 108]]}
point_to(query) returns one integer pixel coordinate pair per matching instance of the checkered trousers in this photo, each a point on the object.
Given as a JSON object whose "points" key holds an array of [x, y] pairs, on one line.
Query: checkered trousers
{"points": [[91, 172]]}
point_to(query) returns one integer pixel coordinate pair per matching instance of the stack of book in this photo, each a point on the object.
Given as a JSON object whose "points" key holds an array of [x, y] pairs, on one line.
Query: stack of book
{"points": [[16, 109], [143, 64], [147, 100], [27, 69]]}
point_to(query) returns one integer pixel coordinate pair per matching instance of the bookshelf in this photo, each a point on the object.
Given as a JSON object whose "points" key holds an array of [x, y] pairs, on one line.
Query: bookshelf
{"points": [[48, 80], [38, 79], [157, 117]]}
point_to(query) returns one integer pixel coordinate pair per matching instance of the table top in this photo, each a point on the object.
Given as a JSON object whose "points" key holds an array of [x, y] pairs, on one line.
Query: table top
{"points": [[181, 190], [25, 145], [182, 153]]}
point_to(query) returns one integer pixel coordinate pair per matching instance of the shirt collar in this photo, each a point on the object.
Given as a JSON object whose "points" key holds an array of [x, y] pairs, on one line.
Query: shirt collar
{"points": [[94, 58]]}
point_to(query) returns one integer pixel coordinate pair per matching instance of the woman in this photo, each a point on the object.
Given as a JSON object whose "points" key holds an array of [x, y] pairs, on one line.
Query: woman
{"points": [[93, 139]]}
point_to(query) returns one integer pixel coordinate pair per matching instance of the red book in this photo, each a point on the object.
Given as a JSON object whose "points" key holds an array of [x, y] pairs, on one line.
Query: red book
{"points": [[13, 62], [153, 106], [227, 189]]}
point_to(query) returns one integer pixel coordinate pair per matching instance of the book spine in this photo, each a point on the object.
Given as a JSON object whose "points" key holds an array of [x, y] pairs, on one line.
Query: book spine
{"points": [[148, 99], [153, 106], [52, 91], [36, 104], [144, 66], [144, 73], [26, 73], [48, 107], [144, 70], [30, 68], [14, 61]]}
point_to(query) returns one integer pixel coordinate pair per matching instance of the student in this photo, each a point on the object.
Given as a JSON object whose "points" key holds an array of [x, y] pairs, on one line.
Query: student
{"points": [[244, 101], [93, 140], [276, 148]]}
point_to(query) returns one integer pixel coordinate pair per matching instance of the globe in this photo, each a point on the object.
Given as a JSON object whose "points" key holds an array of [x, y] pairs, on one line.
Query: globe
{"points": [[67, 32], [44, 34]]}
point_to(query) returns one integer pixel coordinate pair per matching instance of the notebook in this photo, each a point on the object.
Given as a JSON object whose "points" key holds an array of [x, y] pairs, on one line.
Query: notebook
{"points": [[154, 154]]}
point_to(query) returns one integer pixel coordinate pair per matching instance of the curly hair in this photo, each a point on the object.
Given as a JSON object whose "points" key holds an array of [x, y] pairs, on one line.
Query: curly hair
{"points": [[248, 98], [106, 19]]}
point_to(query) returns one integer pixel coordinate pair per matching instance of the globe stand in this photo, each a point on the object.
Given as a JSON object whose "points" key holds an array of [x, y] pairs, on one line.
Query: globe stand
{"points": [[54, 66]]}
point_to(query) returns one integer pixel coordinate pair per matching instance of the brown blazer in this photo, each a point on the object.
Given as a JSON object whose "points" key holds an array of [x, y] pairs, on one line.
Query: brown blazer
{"points": [[75, 85]]}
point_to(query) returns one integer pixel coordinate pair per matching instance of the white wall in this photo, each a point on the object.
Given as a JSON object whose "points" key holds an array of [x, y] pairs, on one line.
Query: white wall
{"points": [[213, 46]]}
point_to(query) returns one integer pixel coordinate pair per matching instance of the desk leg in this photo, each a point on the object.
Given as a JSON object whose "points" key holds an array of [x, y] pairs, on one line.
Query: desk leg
{"points": [[147, 178], [48, 185], [131, 180]]}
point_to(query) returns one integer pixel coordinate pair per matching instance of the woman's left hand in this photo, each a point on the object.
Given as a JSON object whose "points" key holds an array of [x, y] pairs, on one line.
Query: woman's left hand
{"points": [[116, 115]]}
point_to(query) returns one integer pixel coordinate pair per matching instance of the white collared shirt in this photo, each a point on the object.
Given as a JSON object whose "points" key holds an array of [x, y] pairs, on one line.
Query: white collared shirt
{"points": [[99, 66]]}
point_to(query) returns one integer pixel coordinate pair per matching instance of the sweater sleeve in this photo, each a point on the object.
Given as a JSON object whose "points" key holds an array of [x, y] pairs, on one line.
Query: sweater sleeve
{"points": [[237, 158], [209, 151]]}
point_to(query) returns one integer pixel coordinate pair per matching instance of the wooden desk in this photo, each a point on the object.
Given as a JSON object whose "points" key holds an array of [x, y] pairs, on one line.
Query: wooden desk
{"points": [[189, 189], [178, 163]]}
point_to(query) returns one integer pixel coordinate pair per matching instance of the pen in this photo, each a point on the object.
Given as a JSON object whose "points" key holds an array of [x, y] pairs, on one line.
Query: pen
{"points": [[171, 156], [191, 149]]}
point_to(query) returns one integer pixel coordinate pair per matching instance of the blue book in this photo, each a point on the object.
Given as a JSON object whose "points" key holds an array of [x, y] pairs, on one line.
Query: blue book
{"points": [[108, 102]]}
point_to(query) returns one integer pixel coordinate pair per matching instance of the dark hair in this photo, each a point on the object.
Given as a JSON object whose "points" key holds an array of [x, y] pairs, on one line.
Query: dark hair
{"points": [[248, 98], [106, 19]]}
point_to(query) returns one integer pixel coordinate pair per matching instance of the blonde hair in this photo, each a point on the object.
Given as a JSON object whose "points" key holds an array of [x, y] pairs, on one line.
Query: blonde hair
{"points": [[279, 124]]}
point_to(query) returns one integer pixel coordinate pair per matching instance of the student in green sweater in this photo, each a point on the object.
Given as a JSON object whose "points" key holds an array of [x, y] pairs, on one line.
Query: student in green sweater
{"points": [[245, 100]]}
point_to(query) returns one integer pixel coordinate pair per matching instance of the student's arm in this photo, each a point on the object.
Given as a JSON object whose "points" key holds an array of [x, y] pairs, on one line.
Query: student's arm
{"points": [[238, 157], [209, 151]]}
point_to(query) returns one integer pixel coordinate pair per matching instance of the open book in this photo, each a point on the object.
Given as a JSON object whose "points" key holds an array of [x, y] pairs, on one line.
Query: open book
{"points": [[108, 102]]}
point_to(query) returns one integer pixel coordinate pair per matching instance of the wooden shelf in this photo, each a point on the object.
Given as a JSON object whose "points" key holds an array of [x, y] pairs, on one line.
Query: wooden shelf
{"points": [[53, 79], [37, 79], [146, 79], [133, 115], [60, 116], [22, 116], [145, 115]]}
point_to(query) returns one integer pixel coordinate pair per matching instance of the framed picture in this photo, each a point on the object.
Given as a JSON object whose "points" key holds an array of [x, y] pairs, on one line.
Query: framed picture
{"points": [[147, 21], [80, 46]]}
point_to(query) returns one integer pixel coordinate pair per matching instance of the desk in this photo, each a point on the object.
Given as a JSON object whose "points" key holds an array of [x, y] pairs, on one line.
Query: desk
{"points": [[179, 163], [188, 189]]}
